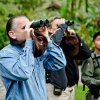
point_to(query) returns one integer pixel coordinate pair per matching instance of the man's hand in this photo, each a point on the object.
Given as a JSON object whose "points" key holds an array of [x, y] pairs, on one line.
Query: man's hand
{"points": [[28, 31], [60, 21], [70, 32], [43, 31]]}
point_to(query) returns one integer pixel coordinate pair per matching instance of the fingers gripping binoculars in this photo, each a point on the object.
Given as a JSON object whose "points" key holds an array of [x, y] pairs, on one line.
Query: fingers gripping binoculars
{"points": [[40, 23], [40, 42]]}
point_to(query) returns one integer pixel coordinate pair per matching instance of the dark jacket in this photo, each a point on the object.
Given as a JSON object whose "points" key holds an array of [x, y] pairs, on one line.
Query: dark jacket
{"points": [[69, 75]]}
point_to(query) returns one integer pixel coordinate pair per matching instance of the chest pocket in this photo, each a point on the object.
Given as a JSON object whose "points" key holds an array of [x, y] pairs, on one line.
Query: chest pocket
{"points": [[96, 60], [96, 63]]}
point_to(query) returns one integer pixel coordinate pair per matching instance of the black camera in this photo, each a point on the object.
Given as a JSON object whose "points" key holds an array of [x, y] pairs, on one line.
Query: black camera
{"points": [[40, 23], [69, 23]]}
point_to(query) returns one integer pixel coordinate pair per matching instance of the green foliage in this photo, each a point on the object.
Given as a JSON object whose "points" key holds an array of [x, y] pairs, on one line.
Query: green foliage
{"points": [[83, 20], [64, 12], [2, 9], [36, 9], [79, 93], [3, 38]]}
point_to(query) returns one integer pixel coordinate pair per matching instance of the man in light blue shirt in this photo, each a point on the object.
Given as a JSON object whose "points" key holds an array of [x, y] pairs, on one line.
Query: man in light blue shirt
{"points": [[22, 73]]}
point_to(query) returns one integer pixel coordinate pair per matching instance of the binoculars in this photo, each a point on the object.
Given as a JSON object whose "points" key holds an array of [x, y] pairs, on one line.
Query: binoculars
{"points": [[40, 23], [45, 22], [69, 23]]}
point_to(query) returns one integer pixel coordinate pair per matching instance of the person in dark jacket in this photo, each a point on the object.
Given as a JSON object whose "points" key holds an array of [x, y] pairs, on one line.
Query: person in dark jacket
{"points": [[60, 84]]}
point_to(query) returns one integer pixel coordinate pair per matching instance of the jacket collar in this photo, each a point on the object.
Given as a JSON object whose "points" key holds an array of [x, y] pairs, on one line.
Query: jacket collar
{"points": [[97, 55]]}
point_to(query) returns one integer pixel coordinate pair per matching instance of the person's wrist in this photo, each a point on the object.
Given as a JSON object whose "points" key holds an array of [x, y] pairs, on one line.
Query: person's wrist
{"points": [[48, 39]]}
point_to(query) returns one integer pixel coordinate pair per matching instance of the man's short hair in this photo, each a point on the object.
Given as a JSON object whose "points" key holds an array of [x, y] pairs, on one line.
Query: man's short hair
{"points": [[10, 22], [95, 35]]}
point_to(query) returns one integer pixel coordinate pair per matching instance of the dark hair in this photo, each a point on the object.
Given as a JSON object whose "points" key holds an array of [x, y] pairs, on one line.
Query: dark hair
{"points": [[95, 35], [9, 26]]}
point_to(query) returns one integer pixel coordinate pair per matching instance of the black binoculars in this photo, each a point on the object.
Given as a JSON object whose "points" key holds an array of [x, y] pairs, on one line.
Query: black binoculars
{"points": [[69, 23], [40, 23]]}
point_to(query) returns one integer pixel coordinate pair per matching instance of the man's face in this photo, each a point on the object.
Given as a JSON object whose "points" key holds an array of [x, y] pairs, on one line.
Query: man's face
{"points": [[54, 26], [20, 23], [96, 43]]}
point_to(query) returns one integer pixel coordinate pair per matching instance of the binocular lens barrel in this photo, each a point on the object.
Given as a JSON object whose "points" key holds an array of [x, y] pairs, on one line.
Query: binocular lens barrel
{"points": [[69, 22], [36, 24], [39, 23], [46, 22]]}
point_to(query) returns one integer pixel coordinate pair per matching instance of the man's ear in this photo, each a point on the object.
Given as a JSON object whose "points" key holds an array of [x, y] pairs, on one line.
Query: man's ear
{"points": [[12, 34], [93, 44]]}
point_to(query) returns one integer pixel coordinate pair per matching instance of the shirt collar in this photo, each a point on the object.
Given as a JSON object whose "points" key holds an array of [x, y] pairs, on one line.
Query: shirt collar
{"points": [[97, 55], [18, 48]]}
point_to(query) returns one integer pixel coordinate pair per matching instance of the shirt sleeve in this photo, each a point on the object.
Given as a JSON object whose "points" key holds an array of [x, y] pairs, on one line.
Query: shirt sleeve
{"points": [[55, 58], [88, 73], [59, 34], [16, 66]]}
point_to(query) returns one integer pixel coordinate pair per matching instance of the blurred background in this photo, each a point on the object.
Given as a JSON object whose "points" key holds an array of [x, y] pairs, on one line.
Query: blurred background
{"points": [[85, 14]]}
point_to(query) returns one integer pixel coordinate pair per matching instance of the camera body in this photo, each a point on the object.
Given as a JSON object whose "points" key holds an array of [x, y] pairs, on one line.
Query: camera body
{"points": [[40, 23]]}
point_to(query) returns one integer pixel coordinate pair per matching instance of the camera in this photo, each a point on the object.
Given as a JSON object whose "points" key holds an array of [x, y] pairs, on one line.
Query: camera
{"points": [[69, 23], [40, 23]]}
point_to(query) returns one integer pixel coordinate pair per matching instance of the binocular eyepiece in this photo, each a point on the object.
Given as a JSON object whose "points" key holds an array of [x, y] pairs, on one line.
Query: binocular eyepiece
{"points": [[40, 23], [69, 23]]}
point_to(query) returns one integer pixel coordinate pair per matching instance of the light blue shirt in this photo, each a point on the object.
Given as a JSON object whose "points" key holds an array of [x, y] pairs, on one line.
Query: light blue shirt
{"points": [[23, 75]]}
